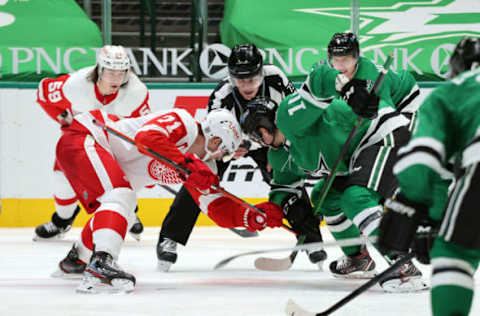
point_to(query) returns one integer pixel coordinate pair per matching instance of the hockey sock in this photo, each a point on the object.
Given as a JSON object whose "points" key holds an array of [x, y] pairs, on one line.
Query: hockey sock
{"points": [[64, 222], [361, 205], [450, 300], [342, 228], [452, 278], [108, 233]]}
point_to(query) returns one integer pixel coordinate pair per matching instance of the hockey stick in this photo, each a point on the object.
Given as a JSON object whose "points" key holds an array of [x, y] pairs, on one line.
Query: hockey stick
{"points": [[293, 309], [313, 245], [244, 233], [272, 264], [182, 170]]}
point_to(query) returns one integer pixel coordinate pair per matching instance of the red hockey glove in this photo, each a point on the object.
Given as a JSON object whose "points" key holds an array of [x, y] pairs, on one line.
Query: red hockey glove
{"points": [[65, 118], [254, 221], [201, 178], [272, 218]]}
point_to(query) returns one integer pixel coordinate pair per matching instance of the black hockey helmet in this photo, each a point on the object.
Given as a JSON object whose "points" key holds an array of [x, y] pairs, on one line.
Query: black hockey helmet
{"points": [[466, 56], [260, 112], [245, 61], [343, 44]]}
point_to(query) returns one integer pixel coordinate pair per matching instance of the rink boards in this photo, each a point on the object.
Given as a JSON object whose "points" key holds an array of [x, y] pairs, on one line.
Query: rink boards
{"points": [[27, 145]]}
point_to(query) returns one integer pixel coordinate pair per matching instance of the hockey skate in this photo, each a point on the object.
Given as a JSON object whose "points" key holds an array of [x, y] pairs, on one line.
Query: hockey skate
{"points": [[56, 228], [357, 266], [136, 229], [50, 231], [317, 257], [166, 253], [103, 275], [406, 279], [71, 267]]}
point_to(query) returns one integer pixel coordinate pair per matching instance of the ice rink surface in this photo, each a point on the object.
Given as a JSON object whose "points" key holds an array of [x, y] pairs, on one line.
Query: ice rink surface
{"points": [[192, 287]]}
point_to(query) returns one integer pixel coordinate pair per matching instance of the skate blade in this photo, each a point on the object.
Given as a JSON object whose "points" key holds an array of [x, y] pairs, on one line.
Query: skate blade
{"points": [[405, 285], [58, 237], [60, 274], [357, 275], [137, 237], [93, 285], [320, 265], [293, 309], [164, 266]]}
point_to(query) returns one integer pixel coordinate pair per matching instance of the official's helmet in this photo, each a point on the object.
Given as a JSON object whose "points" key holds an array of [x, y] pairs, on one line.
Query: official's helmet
{"points": [[245, 61]]}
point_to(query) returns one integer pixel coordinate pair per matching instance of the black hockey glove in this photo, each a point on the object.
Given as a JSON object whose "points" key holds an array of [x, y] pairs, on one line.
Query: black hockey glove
{"points": [[399, 225], [299, 213], [363, 102], [427, 230]]}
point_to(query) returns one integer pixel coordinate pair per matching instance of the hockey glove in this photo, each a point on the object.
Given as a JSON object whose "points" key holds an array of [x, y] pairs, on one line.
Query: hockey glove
{"points": [[201, 178], [362, 102], [299, 213], [65, 118], [256, 221], [427, 230], [399, 225]]}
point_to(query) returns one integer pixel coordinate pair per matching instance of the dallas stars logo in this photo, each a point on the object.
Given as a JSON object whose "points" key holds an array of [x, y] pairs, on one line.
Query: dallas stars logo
{"points": [[321, 170], [394, 26], [5, 18]]}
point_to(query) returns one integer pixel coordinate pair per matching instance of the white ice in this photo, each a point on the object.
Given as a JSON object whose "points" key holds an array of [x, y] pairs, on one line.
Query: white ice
{"points": [[191, 287]]}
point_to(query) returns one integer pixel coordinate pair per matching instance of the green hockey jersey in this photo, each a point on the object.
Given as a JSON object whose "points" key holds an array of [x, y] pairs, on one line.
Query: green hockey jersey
{"points": [[316, 124], [448, 128], [315, 136], [399, 88]]}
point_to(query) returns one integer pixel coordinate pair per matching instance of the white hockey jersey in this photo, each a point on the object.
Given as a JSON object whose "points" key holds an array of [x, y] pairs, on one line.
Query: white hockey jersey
{"points": [[169, 133], [177, 128], [77, 93]]}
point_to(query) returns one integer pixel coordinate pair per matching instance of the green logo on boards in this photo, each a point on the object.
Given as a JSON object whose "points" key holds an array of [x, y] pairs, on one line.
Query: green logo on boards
{"points": [[421, 35]]}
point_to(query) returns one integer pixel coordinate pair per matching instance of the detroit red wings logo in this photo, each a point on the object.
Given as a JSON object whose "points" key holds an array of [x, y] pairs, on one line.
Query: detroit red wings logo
{"points": [[163, 173], [155, 169]]}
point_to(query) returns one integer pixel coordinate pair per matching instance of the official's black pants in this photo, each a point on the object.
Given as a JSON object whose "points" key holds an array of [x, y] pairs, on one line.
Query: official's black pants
{"points": [[183, 213]]}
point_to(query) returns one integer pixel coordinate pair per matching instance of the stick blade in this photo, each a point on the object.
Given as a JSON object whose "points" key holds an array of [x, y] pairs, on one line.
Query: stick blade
{"points": [[293, 309], [223, 263], [244, 233], [271, 264]]}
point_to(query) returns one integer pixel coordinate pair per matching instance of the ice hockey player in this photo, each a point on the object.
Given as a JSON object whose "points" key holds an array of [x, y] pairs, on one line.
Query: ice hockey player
{"points": [[306, 135], [344, 63], [109, 85], [248, 78], [346, 71], [105, 173], [448, 129]]}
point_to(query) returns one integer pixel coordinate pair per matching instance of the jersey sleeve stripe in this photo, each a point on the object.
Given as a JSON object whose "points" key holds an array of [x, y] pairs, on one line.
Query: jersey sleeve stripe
{"points": [[387, 121], [410, 103], [41, 95], [421, 158], [153, 127], [425, 142], [425, 149], [222, 92], [309, 97], [471, 153]]}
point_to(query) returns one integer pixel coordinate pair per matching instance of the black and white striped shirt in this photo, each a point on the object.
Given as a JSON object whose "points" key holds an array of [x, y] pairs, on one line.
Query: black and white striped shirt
{"points": [[275, 87]]}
